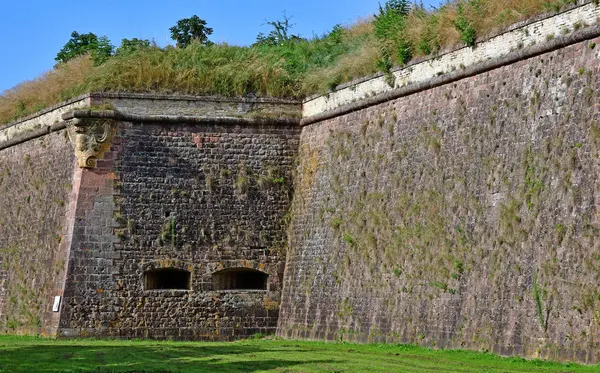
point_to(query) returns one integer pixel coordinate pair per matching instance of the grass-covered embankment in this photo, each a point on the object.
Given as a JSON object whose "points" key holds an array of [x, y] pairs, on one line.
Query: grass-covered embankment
{"points": [[292, 68], [28, 354]]}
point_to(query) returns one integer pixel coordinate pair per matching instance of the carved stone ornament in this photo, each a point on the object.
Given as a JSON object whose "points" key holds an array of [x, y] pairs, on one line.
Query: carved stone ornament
{"points": [[90, 138]]}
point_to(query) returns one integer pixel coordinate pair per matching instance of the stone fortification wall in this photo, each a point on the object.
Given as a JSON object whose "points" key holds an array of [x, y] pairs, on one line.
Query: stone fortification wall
{"points": [[36, 187], [149, 215], [464, 215], [177, 193]]}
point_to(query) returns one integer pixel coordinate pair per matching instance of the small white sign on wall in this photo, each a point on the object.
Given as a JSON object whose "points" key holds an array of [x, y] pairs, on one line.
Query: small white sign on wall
{"points": [[56, 305]]}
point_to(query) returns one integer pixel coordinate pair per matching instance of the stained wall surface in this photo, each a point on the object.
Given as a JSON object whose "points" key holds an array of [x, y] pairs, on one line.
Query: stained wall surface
{"points": [[36, 187], [199, 198], [464, 216]]}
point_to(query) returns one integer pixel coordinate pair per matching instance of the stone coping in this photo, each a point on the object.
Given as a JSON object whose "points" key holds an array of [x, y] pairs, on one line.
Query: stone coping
{"points": [[49, 109], [178, 97], [154, 108], [525, 39], [510, 58], [94, 98], [202, 119]]}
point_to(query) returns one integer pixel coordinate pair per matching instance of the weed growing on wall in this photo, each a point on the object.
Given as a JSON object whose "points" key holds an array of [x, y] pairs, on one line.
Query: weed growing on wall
{"points": [[24, 303], [450, 207], [32, 262], [539, 294]]}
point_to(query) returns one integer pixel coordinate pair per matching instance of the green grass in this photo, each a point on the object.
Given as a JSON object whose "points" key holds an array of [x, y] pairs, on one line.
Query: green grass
{"points": [[30, 354]]}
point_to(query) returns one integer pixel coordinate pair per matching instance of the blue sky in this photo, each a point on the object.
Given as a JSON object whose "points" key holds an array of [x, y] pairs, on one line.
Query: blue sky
{"points": [[32, 32]]}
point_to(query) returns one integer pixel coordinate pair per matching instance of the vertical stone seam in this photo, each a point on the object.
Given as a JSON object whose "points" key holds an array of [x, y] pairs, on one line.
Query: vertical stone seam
{"points": [[66, 245]]}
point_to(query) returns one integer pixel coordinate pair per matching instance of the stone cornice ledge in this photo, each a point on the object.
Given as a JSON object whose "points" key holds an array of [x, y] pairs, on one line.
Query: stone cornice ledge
{"points": [[248, 119], [47, 110], [475, 69], [81, 116], [100, 96], [33, 134], [183, 97]]}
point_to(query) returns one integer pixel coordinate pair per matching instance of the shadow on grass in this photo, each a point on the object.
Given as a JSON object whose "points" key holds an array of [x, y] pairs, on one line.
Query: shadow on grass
{"points": [[149, 359]]}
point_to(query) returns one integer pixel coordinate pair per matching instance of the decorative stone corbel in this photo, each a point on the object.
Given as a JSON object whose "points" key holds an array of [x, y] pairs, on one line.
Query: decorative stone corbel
{"points": [[90, 135]]}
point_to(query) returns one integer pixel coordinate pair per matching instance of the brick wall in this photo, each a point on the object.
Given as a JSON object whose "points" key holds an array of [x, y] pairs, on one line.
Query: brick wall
{"points": [[463, 216], [199, 198]]}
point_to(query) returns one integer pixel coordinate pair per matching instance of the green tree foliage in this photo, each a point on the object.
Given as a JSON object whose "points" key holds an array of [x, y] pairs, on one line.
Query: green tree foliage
{"points": [[399, 6], [99, 48], [129, 46], [190, 29], [390, 26]]}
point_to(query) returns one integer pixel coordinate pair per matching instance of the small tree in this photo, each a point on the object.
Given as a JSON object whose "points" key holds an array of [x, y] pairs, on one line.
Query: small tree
{"points": [[129, 46], [399, 6], [99, 48], [279, 33], [190, 29]]}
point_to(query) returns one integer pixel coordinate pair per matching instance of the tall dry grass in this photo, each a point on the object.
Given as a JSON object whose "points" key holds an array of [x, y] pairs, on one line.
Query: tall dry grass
{"points": [[293, 70], [61, 83], [359, 60], [486, 16], [199, 70]]}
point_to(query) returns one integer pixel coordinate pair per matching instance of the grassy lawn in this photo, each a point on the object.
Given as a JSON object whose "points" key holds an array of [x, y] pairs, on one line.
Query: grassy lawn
{"points": [[29, 354]]}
